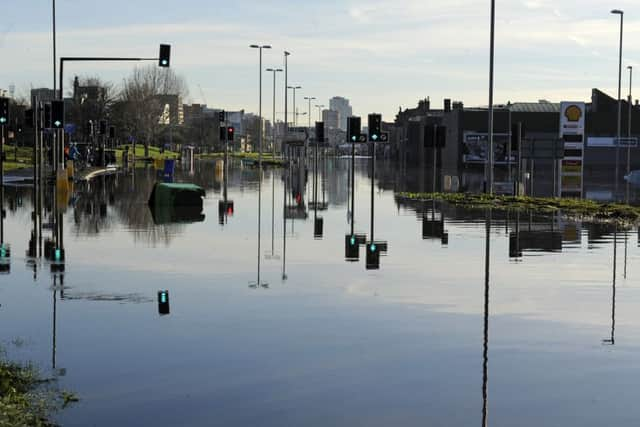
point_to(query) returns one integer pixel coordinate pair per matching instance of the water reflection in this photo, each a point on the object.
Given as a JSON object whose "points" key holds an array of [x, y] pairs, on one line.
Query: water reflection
{"points": [[362, 324], [485, 340], [612, 339]]}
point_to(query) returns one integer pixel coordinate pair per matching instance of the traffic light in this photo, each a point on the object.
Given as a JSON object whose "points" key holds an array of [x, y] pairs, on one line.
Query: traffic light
{"points": [[353, 129], [165, 55], [57, 114], [351, 248], [163, 302], [103, 127], [58, 255], [373, 256], [230, 131], [57, 260], [112, 132], [223, 133], [375, 121], [318, 225], [4, 111], [5, 258], [319, 132], [221, 116]]}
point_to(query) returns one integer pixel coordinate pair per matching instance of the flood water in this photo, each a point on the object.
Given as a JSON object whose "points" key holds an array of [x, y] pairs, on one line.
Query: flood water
{"points": [[473, 317]]}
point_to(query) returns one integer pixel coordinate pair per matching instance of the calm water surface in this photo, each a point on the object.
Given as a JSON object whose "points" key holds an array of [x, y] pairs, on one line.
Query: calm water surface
{"points": [[289, 333]]}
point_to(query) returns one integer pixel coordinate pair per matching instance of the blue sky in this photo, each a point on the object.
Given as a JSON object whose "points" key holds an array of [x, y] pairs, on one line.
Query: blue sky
{"points": [[381, 54]]}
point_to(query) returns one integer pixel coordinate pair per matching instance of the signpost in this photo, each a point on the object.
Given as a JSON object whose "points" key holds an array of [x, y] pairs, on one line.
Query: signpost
{"points": [[572, 130]]}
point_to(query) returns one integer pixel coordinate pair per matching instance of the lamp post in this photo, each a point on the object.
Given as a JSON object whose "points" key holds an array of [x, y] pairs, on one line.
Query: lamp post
{"points": [[273, 123], [260, 47], [286, 93], [630, 68], [295, 112], [621, 13], [319, 107], [489, 168]]}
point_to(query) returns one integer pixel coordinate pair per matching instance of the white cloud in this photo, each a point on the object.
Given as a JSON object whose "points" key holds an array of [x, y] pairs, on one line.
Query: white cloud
{"points": [[399, 50]]}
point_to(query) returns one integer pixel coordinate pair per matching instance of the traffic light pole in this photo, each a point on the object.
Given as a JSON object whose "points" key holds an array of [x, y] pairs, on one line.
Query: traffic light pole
{"points": [[353, 184], [373, 177]]}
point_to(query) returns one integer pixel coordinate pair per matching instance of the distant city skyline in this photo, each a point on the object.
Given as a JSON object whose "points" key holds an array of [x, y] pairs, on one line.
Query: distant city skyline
{"points": [[380, 55]]}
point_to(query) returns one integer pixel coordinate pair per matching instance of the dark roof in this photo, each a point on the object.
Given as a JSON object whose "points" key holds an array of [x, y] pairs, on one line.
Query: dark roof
{"points": [[535, 107]]}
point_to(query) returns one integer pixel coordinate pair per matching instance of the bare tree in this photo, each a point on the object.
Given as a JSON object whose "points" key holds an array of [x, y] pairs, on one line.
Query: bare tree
{"points": [[150, 98]]}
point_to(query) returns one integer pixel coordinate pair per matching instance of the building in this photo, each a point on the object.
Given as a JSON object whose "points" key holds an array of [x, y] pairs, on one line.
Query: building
{"points": [[341, 105], [331, 119], [173, 113], [466, 141], [45, 94], [89, 92]]}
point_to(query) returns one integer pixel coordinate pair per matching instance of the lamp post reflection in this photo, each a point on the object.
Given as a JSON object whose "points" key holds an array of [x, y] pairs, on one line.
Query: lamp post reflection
{"points": [[612, 339], [258, 283], [273, 254], [485, 345]]}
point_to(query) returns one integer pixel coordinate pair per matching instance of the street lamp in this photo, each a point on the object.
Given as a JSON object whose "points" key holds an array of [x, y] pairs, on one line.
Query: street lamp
{"points": [[260, 47], [621, 13], [295, 119], [319, 107], [273, 124], [286, 93], [630, 68], [488, 174]]}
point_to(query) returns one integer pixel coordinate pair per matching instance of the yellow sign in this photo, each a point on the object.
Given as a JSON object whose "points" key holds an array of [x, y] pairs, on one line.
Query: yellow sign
{"points": [[573, 113]]}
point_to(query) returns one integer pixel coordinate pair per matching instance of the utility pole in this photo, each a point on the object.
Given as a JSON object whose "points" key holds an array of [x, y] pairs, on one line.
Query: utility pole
{"points": [[489, 169]]}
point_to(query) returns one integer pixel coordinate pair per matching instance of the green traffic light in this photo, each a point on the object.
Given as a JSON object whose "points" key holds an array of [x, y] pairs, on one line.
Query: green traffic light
{"points": [[163, 297], [373, 247], [3, 120], [3, 252], [374, 137], [164, 62], [353, 240], [57, 255]]}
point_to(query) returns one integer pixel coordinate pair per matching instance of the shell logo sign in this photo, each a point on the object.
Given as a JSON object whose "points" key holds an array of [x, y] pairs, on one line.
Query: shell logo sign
{"points": [[572, 127], [573, 113]]}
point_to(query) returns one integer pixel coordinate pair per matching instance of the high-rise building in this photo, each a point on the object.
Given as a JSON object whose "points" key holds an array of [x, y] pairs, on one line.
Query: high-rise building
{"points": [[341, 105], [331, 119]]}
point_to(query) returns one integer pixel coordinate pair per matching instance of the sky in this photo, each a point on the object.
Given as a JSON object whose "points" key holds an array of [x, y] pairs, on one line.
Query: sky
{"points": [[380, 54]]}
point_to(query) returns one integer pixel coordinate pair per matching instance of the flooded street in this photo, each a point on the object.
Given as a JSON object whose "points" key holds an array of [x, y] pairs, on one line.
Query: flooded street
{"points": [[473, 317]]}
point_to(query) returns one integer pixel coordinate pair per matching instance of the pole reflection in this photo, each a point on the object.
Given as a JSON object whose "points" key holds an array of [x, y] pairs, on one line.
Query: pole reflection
{"points": [[485, 345]]}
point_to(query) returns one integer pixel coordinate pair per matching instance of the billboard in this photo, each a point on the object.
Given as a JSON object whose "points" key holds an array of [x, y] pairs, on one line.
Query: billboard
{"points": [[572, 118]]}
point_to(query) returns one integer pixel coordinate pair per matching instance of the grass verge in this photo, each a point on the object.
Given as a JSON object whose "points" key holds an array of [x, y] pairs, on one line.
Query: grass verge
{"points": [[614, 212], [28, 399]]}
